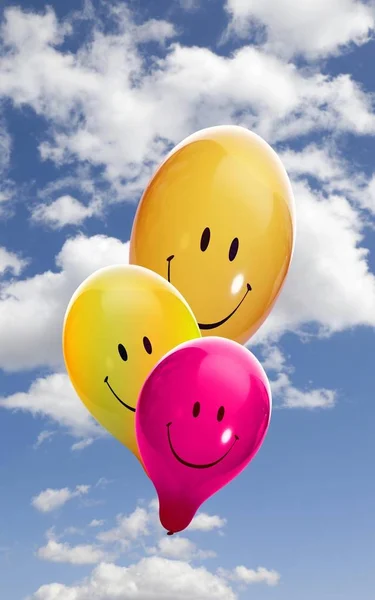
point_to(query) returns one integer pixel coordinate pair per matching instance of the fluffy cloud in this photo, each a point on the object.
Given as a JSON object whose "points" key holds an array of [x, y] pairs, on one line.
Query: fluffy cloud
{"points": [[205, 522], [128, 528], [330, 283], [169, 575], [82, 554], [55, 399], [154, 578], [43, 437], [291, 397], [65, 210], [331, 24], [52, 499], [180, 548], [143, 522], [251, 576], [106, 107], [9, 261], [32, 310]]}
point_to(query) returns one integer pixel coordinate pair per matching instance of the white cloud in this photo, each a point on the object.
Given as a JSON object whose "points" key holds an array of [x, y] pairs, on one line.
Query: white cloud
{"points": [[9, 261], [250, 576], [96, 523], [52, 499], [283, 390], [54, 398], [169, 575], [144, 522], [82, 554], [180, 548], [82, 444], [128, 528], [107, 107], [291, 397], [330, 283], [5, 148], [331, 24], [43, 437], [154, 578], [204, 522], [33, 309], [66, 210]]}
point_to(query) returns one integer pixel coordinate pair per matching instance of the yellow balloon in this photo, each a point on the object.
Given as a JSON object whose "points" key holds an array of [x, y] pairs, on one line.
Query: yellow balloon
{"points": [[217, 220], [119, 323]]}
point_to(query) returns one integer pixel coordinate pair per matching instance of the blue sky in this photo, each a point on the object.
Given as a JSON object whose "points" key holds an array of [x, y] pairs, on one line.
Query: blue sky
{"points": [[93, 96]]}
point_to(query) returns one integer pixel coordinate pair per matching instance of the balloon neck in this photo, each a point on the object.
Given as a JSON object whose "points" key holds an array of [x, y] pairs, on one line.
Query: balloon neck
{"points": [[176, 513]]}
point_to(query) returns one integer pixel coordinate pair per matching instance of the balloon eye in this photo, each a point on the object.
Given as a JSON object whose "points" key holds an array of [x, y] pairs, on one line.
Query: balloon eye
{"points": [[205, 239], [122, 352], [147, 345], [233, 249], [220, 413], [196, 409]]}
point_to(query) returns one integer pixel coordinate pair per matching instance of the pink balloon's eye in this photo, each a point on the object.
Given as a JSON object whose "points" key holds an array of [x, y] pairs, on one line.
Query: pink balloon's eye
{"points": [[220, 413], [196, 409]]}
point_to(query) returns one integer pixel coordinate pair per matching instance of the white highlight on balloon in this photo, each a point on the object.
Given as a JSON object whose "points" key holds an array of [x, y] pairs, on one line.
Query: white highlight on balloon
{"points": [[226, 436], [237, 283]]}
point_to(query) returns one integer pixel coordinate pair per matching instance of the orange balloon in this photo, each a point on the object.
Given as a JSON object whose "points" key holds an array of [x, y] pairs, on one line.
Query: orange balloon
{"points": [[217, 220]]}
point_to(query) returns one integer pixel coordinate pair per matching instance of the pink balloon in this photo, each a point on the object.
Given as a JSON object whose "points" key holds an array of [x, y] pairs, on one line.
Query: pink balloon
{"points": [[202, 415]]}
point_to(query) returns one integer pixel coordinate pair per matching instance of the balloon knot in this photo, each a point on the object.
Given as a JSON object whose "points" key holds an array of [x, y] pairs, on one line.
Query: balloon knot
{"points": [[169, 532]]}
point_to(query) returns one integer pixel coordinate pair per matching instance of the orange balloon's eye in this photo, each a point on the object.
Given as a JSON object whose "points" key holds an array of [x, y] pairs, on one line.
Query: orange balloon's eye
{"points": [[205, 239], [233, 249]]}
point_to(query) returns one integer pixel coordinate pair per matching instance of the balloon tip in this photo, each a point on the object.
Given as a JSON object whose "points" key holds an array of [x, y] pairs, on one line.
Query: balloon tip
{"points": [[169, 532]]}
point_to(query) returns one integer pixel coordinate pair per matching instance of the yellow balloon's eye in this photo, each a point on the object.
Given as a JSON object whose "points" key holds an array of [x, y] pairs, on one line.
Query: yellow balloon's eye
{"points": [[233, 249], [147, 345], [122, 352]]}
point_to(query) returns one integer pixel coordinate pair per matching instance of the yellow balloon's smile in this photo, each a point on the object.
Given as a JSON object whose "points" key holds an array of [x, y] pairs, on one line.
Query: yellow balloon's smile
{"points": [[116, 396], [217, 220]]}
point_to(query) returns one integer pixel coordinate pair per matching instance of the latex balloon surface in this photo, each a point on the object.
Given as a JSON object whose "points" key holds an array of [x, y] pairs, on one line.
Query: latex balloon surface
{"points": [[202, 415], [217, 220], [119, 323]]}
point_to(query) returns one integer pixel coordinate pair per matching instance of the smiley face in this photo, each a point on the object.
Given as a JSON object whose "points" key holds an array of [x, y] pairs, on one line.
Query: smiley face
{"points": [[196, 411], [124, 356], [217, 221], [119, 323], [202, 415]]}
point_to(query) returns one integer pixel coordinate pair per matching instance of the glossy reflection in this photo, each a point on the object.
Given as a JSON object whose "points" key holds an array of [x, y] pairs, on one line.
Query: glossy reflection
{"points": [[217, 220], [201, 417], [119, 323]]}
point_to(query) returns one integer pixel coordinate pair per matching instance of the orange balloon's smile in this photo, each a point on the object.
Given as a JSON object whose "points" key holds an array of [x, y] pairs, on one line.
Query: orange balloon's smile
{"points": [[207, 326]]}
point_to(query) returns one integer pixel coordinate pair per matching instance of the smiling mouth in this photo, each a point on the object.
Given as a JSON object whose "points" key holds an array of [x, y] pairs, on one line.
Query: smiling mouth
{"points": [[192, 465], [207, 326], [116, 396]]}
